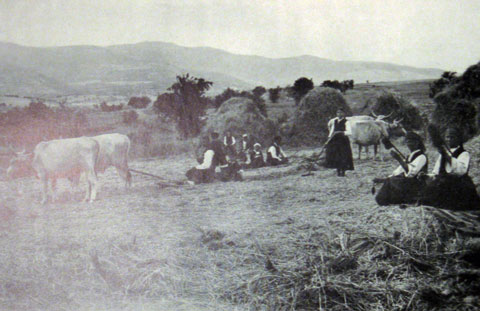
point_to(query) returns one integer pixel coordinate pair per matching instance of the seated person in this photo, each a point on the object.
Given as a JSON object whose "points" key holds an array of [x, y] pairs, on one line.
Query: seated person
{"points": [[205, 171], [275, 154], [256, 157], [230, 172], [229, 144], [246, 147], [450, 186], [403, 186], [212, 157]]}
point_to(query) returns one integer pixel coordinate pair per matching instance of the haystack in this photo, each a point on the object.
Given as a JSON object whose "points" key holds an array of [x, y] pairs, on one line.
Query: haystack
{"points": [[452, 111], [313, 113], [240, 115], [391, 102]]}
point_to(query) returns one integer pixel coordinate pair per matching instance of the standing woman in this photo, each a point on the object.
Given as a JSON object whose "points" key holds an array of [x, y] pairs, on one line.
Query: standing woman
{"points": [[338, 152]]}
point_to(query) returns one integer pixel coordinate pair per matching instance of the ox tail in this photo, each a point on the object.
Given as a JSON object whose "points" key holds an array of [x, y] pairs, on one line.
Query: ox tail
{"points": [[129, 174]]}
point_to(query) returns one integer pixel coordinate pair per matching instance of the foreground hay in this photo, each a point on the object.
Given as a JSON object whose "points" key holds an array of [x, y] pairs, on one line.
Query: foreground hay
{"points": [[409, 264]]}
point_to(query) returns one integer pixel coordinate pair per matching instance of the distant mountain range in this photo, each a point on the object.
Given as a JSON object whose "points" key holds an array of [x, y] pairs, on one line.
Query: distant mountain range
{"points": [[151, 67]]}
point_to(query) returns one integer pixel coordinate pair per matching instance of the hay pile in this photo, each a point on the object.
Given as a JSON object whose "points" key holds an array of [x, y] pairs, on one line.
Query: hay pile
{"points": [[241, 115], [401, 107], [313, 113], [457, 112]]}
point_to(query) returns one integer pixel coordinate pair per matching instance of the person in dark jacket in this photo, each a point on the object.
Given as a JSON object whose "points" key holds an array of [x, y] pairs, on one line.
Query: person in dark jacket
{"points": [[229, 144], [338, 153], [404, 185]]}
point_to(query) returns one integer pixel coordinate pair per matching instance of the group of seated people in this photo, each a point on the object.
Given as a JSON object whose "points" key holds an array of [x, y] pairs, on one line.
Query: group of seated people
{"points": [[447, 186], [229, 161]]}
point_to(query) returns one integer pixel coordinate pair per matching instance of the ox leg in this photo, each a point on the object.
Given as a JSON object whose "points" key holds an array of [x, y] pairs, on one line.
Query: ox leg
{"points": [[125, 174], [359, 152], [54, 189], [375, 149], [91, 187], [45, 190], [366, 153]]}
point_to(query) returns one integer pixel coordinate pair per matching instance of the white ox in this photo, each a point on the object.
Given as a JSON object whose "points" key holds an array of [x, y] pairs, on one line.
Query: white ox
{"points": [[114, 150], [61, 158], [70, 161], [369, 131]]}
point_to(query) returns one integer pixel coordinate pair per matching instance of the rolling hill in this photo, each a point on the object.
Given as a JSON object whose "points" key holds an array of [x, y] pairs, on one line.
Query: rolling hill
{"points": [[151, 67]]}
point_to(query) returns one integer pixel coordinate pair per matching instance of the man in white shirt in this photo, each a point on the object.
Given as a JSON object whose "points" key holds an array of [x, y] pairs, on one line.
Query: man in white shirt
{"points": [[450, 186], [403, 186], [213, 157]]}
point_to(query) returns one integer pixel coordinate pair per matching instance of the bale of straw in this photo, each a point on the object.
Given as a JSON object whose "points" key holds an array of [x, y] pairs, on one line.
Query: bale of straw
{"points": [[313, 113], [241, 115]]}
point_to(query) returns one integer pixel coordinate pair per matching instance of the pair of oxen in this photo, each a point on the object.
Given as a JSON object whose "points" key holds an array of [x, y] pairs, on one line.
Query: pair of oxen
{"points": [[69, 158]]}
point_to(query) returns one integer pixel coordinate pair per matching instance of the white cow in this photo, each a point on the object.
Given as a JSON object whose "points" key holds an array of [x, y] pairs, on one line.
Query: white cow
{"points": [[61, 158], [114, 150], [370, 132]]}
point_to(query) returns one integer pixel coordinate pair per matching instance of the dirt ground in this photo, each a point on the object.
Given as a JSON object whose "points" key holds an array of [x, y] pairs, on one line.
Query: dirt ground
{"points": [[157, 248]]}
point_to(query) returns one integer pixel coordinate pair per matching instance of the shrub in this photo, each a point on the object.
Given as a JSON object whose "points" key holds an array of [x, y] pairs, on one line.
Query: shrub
{"points": [[38, 110], [130, 117], [341, 86], [259, 91], [139, 102], [109, 108], [301, 87], [274, 94]]}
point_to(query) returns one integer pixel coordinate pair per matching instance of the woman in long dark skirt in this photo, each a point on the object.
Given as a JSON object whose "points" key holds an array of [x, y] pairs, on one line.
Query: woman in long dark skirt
{"points": [[451, 187], [403, 186], [338, 153]]}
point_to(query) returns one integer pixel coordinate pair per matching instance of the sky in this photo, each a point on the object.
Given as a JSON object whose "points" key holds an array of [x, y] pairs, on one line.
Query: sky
{"points": [[422, 33]]}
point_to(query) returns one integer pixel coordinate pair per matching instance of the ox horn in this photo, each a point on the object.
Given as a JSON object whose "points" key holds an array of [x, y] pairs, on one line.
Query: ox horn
{"points": [[374, 114], [389, 115], [398, 121]]}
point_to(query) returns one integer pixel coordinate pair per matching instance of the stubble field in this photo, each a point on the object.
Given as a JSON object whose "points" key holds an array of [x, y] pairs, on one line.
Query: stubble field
{"points": [[275, 241]]}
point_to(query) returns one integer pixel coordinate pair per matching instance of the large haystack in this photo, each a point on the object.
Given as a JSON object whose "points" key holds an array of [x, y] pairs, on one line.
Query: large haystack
{"points": [[313, 113], [240, 115]]}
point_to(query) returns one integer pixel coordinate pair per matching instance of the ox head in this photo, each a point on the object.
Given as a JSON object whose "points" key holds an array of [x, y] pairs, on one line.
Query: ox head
{"points": [[20, 166], [381, 117], [396, 129]]}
